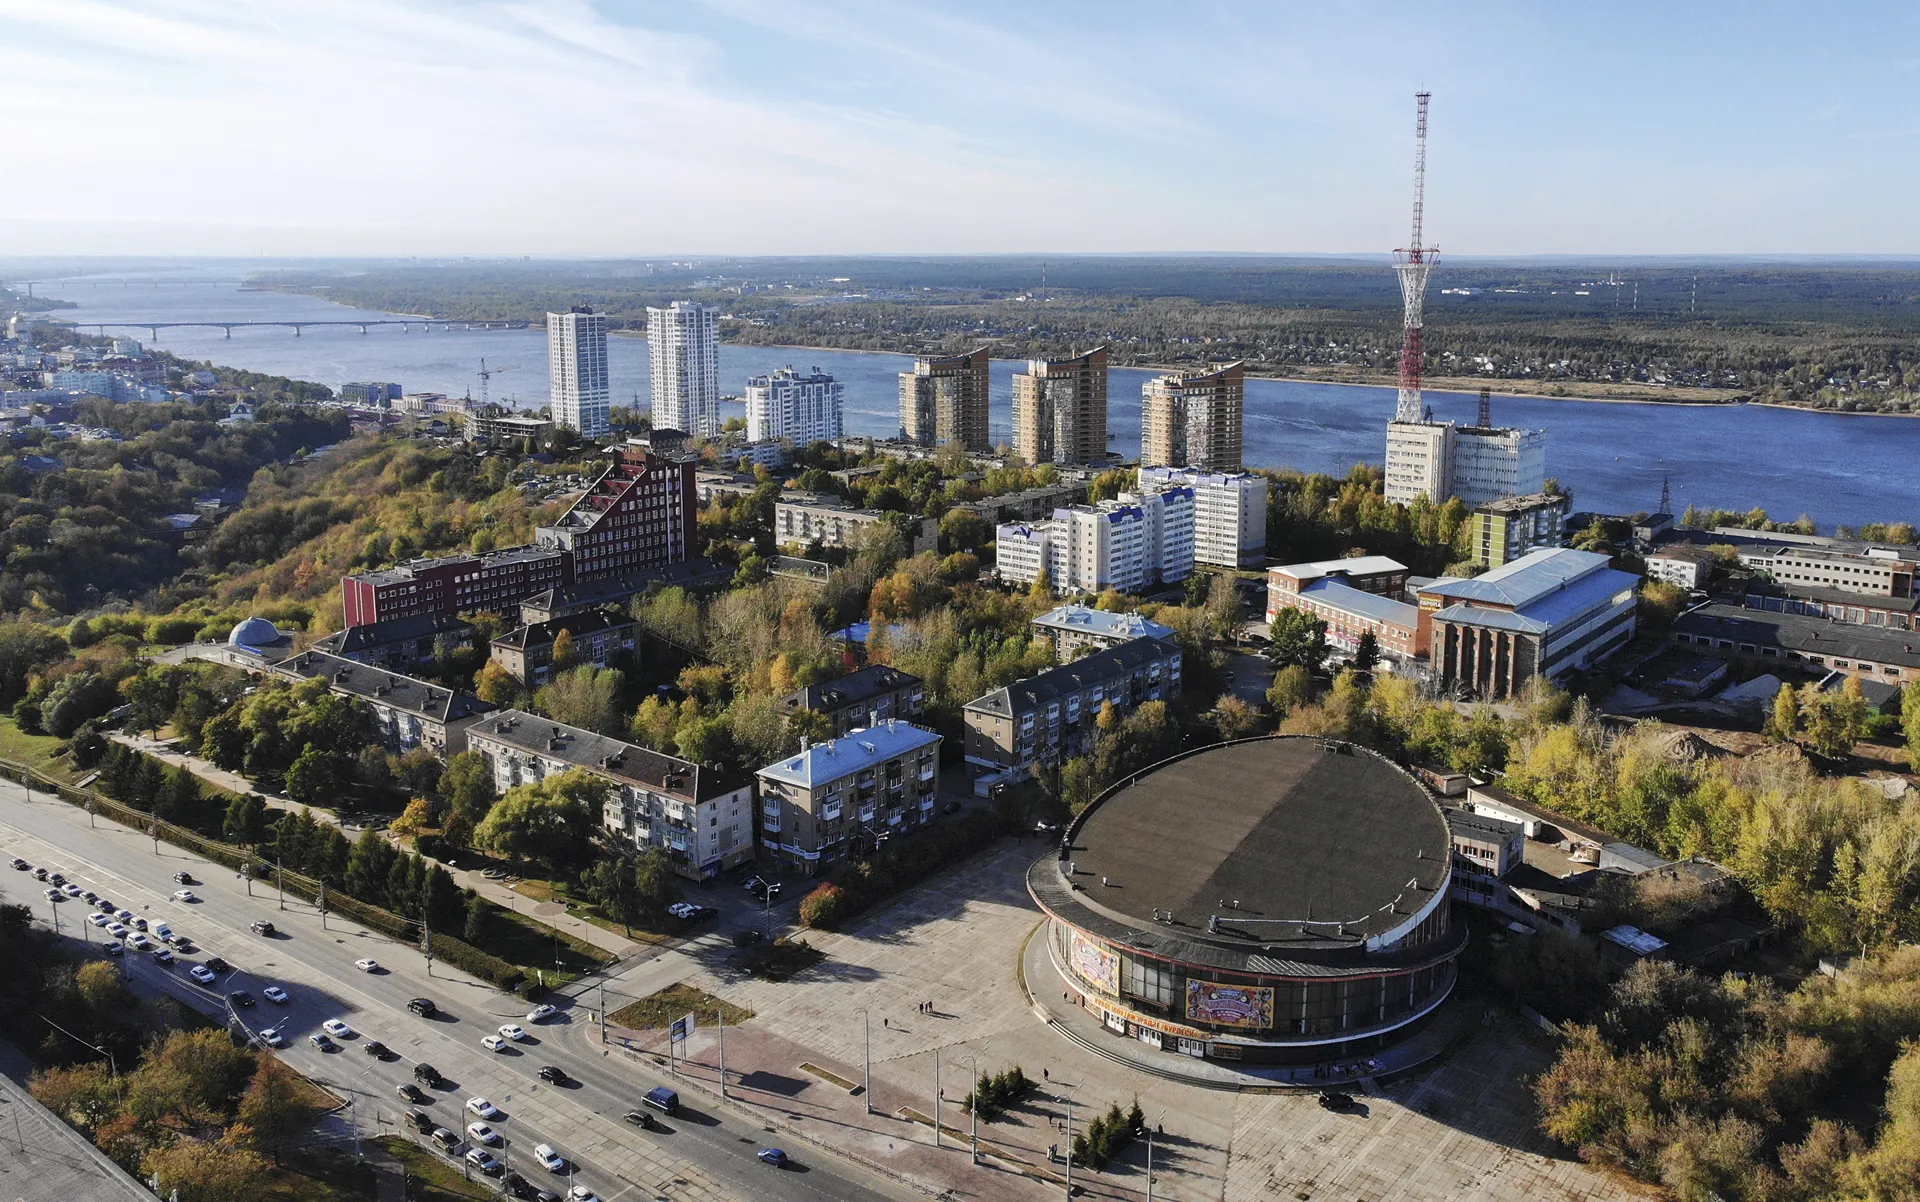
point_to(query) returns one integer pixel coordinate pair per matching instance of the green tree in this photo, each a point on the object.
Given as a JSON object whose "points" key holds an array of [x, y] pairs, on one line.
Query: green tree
{"points": [[550, 822], [1366, 654], [246, 820], [478, 929], [1292, 688], [370, 868], [584, 697], [1299, 639], [467, 786], [495, 685], [609, 881], [318, 778], [442, 905], [656, 885]]}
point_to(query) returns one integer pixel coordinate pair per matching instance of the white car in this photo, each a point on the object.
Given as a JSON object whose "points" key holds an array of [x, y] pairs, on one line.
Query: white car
{"points": [[71, 889], [480, 1133], [483, 1108], [184, 895], [139, 942], [581, 1193], [541, 1013], [123, 915], [513, 1032], [99, 920], [275, 994], [681, 910], [493, 1043], [272, 1038], [202, 974], [367, 965], [117, 930], [337, 1029], [554, 1162]]}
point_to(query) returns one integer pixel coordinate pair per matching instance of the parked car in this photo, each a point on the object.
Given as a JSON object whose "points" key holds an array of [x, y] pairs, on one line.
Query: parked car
{"points": [[111, 949], [21, 864], [420, 1120], [98, 920], [1334, 1100]]}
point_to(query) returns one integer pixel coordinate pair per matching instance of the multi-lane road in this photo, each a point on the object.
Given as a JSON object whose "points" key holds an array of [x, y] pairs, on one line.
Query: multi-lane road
{"points": [[705, 1152]]}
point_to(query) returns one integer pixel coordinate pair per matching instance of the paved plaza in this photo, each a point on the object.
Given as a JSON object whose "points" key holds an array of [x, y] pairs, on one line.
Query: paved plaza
{"points": [[1460, 1129]]}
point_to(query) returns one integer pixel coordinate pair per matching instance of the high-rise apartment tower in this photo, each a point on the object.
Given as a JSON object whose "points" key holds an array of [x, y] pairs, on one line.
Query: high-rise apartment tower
{"points": [[577, 371], [683, 353], [1060, 409], [1194, 419], [944, 399], [786, 404]]}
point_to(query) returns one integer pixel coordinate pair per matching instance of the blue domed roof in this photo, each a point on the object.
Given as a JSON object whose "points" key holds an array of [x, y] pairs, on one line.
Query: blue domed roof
{"points": [[254, 632]]}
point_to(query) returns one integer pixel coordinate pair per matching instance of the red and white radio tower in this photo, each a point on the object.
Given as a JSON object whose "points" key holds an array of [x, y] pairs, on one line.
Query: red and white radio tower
{"points": [[1413, 262]]}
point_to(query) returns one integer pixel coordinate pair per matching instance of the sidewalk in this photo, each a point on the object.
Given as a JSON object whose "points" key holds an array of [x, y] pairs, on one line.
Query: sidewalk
{"points": [[548, 914]]}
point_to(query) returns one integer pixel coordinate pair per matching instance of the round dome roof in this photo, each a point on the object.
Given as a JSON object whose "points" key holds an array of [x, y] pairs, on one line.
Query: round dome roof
{"points": [[254, 632]]}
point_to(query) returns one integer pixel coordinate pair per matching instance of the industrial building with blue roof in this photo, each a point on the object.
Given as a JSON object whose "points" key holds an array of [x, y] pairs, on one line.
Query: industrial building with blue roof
{"points": [[1548, 613]]}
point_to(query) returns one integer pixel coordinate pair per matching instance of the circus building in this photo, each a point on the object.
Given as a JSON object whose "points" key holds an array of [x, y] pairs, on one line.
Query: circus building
{"points": [[1276, 900]]}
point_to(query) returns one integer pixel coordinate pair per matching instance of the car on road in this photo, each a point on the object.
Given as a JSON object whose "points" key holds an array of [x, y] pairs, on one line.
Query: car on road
{"points": [[125, 916], [427, 1074], [57, 879], [262, 927], [581, 1193], [513, 1031], [542, 1013], [412, 1092], [71, 890], [181, 943], [367, 965], [119, 930], [446, 1138], [483, 1108], [1331, 1099], [99, 920], [104, 906], [553, 1074], [272, 1038], [184, 895], [517, 1185], [203, 974], [241, 998], [337, 1029], [139, 942], [376, 1049], [21, 864], [639, 1118], [275, 994], [484, 1160], [319, 1040], [163, 955], [161, 931], [480, 1133], [423, 1007], [137, 923], [493, 1043], [773, 1156], [91, 896], [419, 1120], [551, 1160], [663, 1099], [218, 965], [54, 895], [185, 878], [39, 874], [111, 949]]}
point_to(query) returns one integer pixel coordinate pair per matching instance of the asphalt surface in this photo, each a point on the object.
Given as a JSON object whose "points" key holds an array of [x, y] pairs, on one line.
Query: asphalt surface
{"points": [[704, 1152]]}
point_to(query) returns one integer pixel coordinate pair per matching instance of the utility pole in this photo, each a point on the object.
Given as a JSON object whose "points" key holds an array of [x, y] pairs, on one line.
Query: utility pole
{"points": [[936, 1097], [280, 879], [603, 1031], [1150, 1131], [153, 829], [720, 1024], [323, 905], [426, 947], [1069, 1137], [866, 1059], [973, 1109]]}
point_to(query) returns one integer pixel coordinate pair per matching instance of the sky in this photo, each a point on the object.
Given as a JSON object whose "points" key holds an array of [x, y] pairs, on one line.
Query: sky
{"points": [[622, 127]]}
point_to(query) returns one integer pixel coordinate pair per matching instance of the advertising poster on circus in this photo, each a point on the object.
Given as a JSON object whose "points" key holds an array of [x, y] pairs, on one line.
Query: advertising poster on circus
{"points": [[1096, 963], [1229, 1005]]}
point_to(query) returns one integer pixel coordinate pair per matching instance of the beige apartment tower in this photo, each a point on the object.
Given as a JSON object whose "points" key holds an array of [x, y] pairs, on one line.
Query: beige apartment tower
{"points": [[1194, 419], [944, 399], [1060, 409]]}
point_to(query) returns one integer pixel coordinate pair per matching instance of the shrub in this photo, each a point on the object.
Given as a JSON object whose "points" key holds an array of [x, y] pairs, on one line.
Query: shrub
{"points": [[26, 715], [467, 958], [997, 1091], [530, 989], [434, 847], [171, 632]]}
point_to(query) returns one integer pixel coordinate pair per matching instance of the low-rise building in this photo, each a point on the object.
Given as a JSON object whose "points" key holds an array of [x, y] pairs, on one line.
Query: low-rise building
{"points": [[1835, 605], [599, 637], [1073, 629], [1502, 530], [1368, 573], [1033, 504], [1548, 613], [700, 817], [1048, 718], [494, 581], [1485, 845], [869, 697], [846, 795], [496, 423], [1350, 613], [1683, 564], [801, 518], [1880, 571], [407, 713], [400, 642], [1759, 636]]}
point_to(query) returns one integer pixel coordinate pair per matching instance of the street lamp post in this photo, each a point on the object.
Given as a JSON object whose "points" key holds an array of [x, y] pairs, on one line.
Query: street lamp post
{"points": [[866, 1058], [1071, 1090], [973, 1110], [1150, 1131], [936, 1095]]}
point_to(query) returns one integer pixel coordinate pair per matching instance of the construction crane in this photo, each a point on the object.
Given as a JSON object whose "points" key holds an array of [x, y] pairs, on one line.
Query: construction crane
{"points": [[1413, 262], [486, 375]]}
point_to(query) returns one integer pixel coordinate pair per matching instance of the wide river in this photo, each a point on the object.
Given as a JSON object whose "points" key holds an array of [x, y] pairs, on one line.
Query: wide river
{"points": [[1611, 457]]}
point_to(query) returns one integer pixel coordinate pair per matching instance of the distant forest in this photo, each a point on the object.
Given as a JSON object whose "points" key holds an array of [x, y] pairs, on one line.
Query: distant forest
{"points": [[1825, 336]]}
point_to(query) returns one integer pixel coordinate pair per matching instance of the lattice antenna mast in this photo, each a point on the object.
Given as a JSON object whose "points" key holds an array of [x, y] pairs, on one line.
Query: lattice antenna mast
{"points": [[485, 376], [1413, 262]]}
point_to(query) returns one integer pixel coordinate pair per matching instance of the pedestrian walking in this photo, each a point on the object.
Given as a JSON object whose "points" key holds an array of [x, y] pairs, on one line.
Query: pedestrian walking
{"points": [[1044, 1076]]}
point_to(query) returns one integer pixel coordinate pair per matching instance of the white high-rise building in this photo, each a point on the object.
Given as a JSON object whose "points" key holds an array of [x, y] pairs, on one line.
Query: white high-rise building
{"points": [[1478, 464], [577, 389], [683, 353], [1229, 513], [1128, 544], [786, 404]]}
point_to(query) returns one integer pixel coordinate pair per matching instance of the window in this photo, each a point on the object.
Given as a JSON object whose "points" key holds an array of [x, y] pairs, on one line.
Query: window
{"points": [[1148, 982]]}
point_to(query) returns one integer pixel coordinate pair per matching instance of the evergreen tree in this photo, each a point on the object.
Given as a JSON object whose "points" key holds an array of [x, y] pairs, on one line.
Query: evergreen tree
{"points": [[443, 906], [370, 867], [1366, 656], [479, 924]]}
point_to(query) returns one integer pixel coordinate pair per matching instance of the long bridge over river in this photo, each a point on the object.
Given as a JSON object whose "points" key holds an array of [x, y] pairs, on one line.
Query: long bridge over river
{"points": [[405, 323]]}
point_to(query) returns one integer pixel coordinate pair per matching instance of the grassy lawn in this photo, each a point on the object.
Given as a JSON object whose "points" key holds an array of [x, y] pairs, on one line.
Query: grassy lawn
{"points": [[522, 941], [660, 1009], [319, 1175], [36, 751], [560, 891], [433, 1178]]}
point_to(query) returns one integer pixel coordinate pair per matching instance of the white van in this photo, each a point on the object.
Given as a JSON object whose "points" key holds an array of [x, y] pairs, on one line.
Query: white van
{"points": [[162, 932]]}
